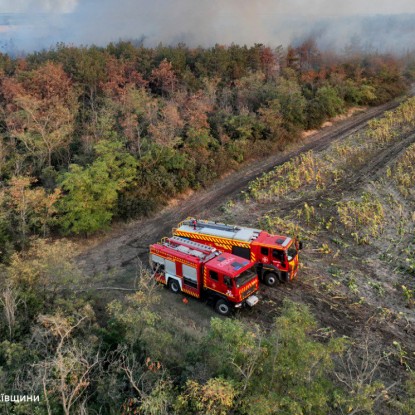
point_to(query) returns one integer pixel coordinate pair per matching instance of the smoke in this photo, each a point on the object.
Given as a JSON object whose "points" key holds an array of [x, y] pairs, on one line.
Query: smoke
{"points": [[381, 25], [38, 6]]}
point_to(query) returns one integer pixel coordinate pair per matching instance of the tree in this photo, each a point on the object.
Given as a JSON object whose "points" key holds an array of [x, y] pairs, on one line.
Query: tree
{"points": [[149, 382], [326, 103], [141, 112], [91, 193], [356, 372], [216, 397], [41, 110], [125, 98], [252, 91], [135, 317], [272, 119], [406, 406], [309, 56], [10, 301], [46, 269], [142, 344], [270, 65], [89, 200], [65, 371], [121, 76], [284, 372], [163, 78], [293, 103], [6, 244], [32, 208], [243, 127], [329, 101], [4, 155], [168, 129]]}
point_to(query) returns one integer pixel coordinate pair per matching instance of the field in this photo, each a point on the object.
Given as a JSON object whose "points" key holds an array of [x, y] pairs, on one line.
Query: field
{"points": [[349, 193]]}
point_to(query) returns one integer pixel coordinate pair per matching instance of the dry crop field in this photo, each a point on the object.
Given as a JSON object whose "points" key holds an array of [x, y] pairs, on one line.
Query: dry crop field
{"points": [[354, 207]]}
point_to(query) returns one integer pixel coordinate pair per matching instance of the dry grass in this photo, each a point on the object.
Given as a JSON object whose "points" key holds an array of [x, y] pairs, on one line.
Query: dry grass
{"points": [[403, 172], [318, 170], [363, 217], [292, 175]]}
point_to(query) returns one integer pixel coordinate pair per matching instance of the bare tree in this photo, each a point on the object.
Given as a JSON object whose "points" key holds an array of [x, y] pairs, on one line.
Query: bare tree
{"points": [[66, 370], [358, 373], [10, 301], [148, 380]]}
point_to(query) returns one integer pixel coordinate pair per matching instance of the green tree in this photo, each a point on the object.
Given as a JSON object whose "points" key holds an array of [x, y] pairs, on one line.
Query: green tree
{"points": [[91, 193], [293, 103], [406, 406], [272, 118], [253, 91], [284, 372], [46, 269], [143, 346], [33, 209], [216, 397], [90, 201], [242, 127], [329, 100]]}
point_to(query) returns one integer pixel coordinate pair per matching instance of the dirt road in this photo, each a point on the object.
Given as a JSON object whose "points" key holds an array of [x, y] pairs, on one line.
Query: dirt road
{"points": [[119, 248]]}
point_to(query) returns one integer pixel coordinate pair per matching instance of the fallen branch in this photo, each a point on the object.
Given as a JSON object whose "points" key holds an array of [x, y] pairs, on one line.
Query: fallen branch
{"points": [[107, 288]]}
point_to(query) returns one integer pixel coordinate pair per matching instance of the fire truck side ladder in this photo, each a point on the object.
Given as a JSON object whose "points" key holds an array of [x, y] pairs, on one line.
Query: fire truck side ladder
{"points": [[220, 230], [209, 224], [201, 251]]}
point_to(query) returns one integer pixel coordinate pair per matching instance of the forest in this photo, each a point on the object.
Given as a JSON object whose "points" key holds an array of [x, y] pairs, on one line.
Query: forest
{"points": [[94, 135]]}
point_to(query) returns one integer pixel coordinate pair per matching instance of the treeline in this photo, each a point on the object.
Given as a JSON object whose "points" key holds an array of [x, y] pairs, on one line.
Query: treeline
{"points": [[89, 134], [60, 343]]}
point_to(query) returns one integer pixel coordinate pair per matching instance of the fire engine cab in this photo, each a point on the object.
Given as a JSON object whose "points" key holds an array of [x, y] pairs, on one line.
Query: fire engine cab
{"points": [[276, 256], [204, 272]]}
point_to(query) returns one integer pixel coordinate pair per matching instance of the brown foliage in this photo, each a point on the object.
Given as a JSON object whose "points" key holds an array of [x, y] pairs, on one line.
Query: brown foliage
{"points": [[164, 78], [120, 77], [167, 130], [40, 110], [196, 109], [269, 62]]}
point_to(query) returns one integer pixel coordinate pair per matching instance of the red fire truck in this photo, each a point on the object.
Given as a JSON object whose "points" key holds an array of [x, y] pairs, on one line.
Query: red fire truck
{"points": [[204, 272], [276, 256]]}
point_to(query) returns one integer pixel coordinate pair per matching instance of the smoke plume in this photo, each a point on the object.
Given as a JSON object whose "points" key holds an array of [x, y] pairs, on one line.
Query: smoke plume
{"points": [[381, 25]]}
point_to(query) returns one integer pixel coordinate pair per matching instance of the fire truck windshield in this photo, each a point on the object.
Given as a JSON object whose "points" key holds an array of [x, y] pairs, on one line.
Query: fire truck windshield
{"points": [[291, 252], [246, 276]]}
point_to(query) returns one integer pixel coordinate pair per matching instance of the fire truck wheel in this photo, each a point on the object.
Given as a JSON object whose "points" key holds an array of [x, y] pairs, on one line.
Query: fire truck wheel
{"points": [[174, 286], [270, 279], [222, 307]]}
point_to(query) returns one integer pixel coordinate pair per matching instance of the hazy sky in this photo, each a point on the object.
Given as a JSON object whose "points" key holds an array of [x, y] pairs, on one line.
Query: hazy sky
{"points": [[21, 6], [311, 7], [204, 22]]}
